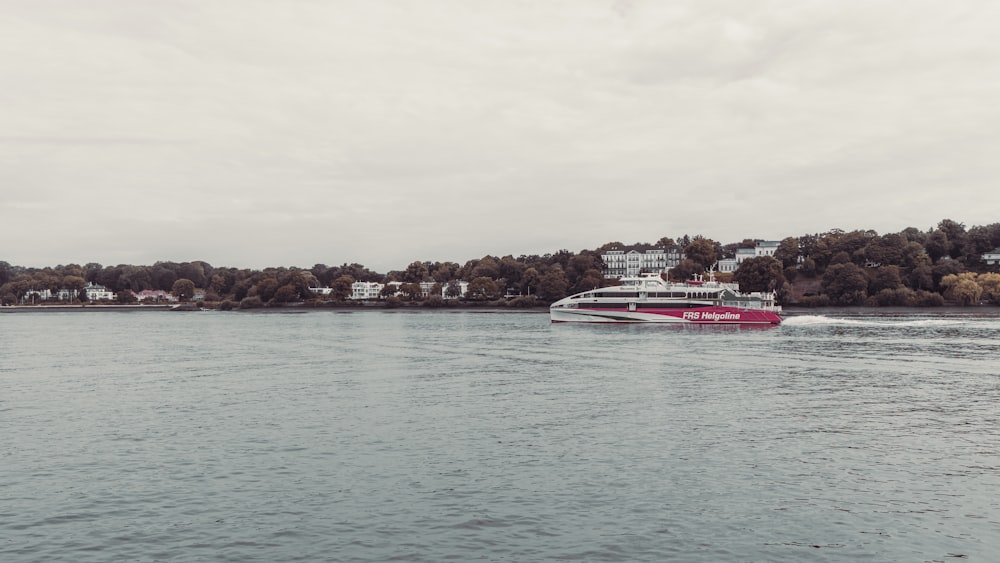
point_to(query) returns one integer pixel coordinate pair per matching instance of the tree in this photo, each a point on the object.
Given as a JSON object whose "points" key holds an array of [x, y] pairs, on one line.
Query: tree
{"points": [[342, 287], [388, 290], [5, 272], [956, 234], [887, 250], [788, 252], [845, 284], [702, 251], [74, 283], [512, 270], [685, 270], [962, 288], [125, 296], [553, 285], [922, 276], [530, 279], [416, 272], [482, 289], [444, 271], [937, 244], [453, 290], [609, 245], [411, 290], [991, 287], [666, 242], [287, 293], [198, 271], [265, 288], [183, 289], [885, 277], [761, 273], [487, 267]]}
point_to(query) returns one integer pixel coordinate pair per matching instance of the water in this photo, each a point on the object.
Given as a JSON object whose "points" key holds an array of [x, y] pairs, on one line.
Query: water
{"points": [[465, 436]]}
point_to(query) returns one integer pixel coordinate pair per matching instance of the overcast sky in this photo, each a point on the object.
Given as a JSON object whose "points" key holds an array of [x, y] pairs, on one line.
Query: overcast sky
{"points": [[257, 133]]}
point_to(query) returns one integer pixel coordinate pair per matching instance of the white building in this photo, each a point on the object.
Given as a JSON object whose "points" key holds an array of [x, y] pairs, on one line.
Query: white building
{"points": [[36, 295], [992, 257], [321, 290], [361, 291], [632, 260], [763, 248], [96, 292], [154, 295], [426, 288], [766, 247]]}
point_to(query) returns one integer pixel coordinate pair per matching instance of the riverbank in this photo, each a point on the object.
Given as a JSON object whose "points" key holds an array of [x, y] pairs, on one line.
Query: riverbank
{"points": [[284, 308], [81, 308]]}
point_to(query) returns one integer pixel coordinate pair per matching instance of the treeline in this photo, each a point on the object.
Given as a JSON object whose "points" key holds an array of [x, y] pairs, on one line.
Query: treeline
{"points": [[908, 268], [537, 278]]}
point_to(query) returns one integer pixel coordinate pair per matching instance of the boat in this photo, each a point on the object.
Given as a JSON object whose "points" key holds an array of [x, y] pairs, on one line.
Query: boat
{"points": [[647, 298]]}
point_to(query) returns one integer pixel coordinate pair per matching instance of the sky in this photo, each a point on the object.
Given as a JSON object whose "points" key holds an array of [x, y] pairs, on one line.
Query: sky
{"points": [[255, 133]]}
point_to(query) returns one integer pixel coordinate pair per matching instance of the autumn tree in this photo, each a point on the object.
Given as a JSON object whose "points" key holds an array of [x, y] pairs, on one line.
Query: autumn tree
{"points": [[962, 288], [990, 283]]}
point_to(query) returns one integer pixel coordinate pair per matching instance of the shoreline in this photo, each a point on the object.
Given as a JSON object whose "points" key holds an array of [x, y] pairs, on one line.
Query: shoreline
{"points": [[787, 311], [80, 308]]}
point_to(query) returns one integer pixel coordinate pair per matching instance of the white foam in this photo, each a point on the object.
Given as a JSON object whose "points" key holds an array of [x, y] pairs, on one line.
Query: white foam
{"points": [[821, 320]]}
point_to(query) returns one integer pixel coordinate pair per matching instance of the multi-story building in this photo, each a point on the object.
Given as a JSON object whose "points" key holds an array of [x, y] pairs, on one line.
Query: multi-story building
{"points": [[762, 248], [766, 248], [623, 261], [361, 290]]}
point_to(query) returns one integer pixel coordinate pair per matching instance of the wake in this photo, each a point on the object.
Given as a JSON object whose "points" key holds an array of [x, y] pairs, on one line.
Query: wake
{"points": [[893, 322]]}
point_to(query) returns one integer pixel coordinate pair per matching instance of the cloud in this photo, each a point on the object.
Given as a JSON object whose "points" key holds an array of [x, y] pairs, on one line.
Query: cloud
{"points": [[258, 133]]}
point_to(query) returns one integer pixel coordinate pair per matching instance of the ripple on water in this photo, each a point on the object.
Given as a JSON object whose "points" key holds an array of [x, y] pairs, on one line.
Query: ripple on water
{"points": [[455, 436]]}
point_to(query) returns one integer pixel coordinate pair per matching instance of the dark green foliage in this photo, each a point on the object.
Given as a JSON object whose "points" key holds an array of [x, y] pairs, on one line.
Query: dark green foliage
{"points": [[845, 284], [702, 251], [761, 273]]}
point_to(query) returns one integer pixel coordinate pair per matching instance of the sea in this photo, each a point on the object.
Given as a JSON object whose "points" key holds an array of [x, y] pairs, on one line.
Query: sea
{"points": [[464, 435]]}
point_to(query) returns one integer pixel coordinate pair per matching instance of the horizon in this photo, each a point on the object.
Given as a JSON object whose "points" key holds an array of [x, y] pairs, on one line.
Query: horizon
{"points": [[461, 262]]}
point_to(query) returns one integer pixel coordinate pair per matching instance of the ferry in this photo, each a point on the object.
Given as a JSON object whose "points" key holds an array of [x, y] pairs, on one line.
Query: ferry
{"points": [[647, 298]]}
